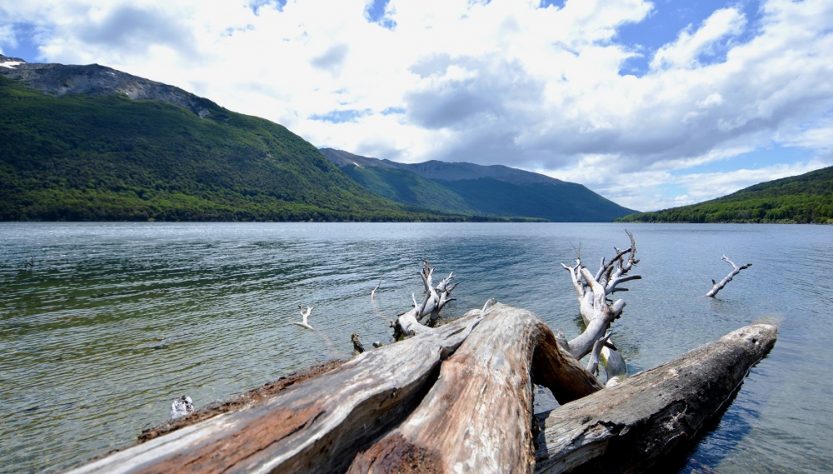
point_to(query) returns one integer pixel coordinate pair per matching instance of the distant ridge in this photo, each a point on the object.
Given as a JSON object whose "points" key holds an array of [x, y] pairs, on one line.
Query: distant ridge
{"points": [[468, 188], [806, 198]]}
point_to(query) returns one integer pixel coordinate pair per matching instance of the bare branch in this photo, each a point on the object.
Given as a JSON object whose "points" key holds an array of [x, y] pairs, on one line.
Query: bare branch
{"points": [[574, 277], [716, 287], [593, 363], [444, 283], [601, 269], [596, 310], [596, 287], [582, 344], [411, 322], [612, 284], [427, 275]]}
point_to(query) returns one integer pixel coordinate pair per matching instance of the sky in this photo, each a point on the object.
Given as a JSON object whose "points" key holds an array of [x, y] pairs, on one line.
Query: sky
{"points": [[651, 104]]}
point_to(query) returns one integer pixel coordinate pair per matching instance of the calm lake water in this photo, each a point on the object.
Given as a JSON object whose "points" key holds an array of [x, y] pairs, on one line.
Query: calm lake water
{"points": [[114, 320]]}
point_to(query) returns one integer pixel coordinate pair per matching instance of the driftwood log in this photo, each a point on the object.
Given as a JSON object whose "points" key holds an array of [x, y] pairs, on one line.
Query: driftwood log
{"points": [[476, 416], [317, 425], [652, 415], [458, 398]]}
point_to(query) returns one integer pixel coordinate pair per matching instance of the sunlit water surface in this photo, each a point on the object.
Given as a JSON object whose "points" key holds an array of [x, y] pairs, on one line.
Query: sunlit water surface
{"points": [[114, 320]]}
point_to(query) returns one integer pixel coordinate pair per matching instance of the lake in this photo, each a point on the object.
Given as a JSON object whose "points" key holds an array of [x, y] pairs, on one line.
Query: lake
{"points": [[113, 320]]}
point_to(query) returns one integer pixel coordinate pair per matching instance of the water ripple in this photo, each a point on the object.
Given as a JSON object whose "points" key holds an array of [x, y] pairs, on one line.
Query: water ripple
{"points": [[115, 320]]}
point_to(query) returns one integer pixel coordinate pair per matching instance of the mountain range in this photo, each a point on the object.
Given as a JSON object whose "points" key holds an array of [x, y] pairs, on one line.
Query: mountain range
{"points": [[471, 189], [94, 143]]}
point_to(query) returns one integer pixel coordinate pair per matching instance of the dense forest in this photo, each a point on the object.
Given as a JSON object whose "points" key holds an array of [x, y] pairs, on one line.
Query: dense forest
{"points": [[807, 198], [107, 157]]}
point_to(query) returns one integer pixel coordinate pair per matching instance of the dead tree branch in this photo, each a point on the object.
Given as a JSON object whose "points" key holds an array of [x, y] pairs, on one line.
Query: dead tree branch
{"points": [[597, 310], [716, 287], [424, 316]]}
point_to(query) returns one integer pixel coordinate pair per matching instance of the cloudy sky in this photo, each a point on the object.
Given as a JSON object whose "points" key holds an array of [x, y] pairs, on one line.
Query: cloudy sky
{"points": [[651, 104]]}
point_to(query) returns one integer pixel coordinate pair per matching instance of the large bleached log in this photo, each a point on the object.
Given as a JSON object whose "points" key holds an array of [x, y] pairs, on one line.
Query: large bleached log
{"points": [[315, 426], [476, 418], [636, 424]]}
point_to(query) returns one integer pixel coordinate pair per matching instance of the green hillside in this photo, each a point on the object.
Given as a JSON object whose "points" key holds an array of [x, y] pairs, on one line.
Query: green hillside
{"points": [[562, 202], [807, 198], [107, 157], [471, 189], [408, 188]]}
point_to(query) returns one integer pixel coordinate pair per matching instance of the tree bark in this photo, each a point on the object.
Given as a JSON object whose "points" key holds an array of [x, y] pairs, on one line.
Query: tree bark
{"points": [[476, 416], [636, 424]]}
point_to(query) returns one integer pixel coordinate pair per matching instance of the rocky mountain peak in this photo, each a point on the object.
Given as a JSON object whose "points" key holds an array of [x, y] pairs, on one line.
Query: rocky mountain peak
{"points": [[93, 79]]}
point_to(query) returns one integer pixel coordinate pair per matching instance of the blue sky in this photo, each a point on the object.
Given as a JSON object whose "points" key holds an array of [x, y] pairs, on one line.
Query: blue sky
{"points": [[652, 104]]}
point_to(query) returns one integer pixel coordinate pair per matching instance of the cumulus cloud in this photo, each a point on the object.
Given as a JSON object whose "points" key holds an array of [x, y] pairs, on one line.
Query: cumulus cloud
{"points": [[505, 81], [687, 49], [131, 27]]}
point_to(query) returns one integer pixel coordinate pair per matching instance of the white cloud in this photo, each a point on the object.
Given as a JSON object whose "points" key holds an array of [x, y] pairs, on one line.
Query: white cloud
{"points": [[818, 136], [688, 47], [491, 82]]}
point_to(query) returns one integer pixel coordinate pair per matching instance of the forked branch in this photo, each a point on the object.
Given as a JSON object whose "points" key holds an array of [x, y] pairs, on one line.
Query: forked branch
{"points": [[423, 316], [597, 310], [716, 287]]}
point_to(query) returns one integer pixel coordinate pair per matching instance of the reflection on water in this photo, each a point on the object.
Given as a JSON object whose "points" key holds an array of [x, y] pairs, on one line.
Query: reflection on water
{"points": [[112, 321]]}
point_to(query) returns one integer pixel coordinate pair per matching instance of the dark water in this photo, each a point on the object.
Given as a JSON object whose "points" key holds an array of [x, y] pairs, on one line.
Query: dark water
{"points": [[115, 320]]}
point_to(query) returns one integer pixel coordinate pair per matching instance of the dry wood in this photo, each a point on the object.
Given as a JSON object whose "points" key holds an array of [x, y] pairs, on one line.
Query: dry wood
{"points": [[470, 413], [717, 286], [476, 417], [436, 297], [316, 425], [634, 425], [592, 292]]}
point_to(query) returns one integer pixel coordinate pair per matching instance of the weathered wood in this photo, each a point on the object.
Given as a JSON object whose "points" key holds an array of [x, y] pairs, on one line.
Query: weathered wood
{"points": [[717, 286], [436, 297], [476, 417], [634, 425], [592, 292], [556, 369], [317, 425], [459, 398]]}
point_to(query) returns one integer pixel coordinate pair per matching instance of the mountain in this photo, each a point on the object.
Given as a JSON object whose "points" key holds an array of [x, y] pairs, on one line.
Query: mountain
{"points": [[93, 143], [807, 198], [470, 189]]}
